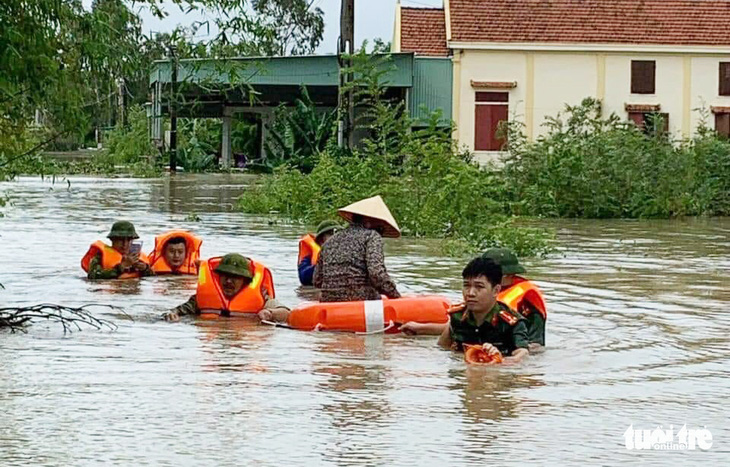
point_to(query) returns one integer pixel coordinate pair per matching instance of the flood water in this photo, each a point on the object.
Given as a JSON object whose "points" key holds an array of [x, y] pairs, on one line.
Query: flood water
{"points": [[637, 335]]}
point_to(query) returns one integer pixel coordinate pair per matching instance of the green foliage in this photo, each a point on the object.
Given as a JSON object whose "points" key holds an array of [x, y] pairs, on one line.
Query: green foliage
{"points": [[431, 189], [293, 27], [198, 144], [595, 167], [131, 144], [67, 61], [298, 135]]}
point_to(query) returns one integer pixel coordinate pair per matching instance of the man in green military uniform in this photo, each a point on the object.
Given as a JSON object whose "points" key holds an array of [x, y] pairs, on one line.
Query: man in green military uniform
{"points": [[483, 320], [235, 274], [103, 262], [521, 294]]}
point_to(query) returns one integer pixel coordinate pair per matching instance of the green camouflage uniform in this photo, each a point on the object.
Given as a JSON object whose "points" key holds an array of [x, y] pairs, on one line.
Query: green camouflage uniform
{"points": [[235, 265], [97, 272], [190, 308], [120, 229]]}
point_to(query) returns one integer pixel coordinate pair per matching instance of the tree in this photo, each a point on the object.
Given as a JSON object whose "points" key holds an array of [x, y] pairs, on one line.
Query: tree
{"points": [[292, 27]]}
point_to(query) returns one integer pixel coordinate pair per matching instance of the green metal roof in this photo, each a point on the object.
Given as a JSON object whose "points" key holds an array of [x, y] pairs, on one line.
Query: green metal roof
{"points": [[314, 70], [429, 79]]}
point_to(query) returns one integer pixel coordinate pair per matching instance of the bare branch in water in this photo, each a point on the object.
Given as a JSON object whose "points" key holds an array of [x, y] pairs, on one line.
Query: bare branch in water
{"points": [[17, 318]]}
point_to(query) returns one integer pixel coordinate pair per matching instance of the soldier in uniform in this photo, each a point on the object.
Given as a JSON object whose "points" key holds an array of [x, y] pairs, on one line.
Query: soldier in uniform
{"points": [[232, 286], [521, 294], [482, 319], [310, 247], [116, 261]]}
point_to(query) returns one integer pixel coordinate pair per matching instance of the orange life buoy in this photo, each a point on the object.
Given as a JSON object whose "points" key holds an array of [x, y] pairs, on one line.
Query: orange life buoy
{"points": [[371, 315], [192, 249], [308, 247], [249, 300], [523, 290], [475, 355], [110, 258]]}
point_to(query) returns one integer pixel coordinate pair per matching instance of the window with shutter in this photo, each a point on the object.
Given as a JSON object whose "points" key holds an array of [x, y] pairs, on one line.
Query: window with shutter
{"points": [[643, 77], [491, 108], [725, 78]]}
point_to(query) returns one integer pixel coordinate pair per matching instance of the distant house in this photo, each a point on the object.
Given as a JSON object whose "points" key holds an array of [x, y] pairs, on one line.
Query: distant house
{"points": [[526, 59]]}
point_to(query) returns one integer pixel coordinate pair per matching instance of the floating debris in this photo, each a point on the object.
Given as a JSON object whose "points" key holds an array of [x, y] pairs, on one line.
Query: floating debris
{"points": [[17, 318]]}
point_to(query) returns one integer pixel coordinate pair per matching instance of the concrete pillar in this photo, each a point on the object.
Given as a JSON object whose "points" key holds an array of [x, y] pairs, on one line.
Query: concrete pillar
{"points": [[226, 155], [266, 119]]}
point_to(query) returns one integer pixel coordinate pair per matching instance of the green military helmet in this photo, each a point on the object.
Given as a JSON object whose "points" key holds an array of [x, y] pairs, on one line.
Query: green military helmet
{"points": [[505, 258], [234, 264], [122, 229], [326, 226]]}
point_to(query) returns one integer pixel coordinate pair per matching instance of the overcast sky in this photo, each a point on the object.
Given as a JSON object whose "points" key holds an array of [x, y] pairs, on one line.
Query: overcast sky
{"points": [[373, 18]]}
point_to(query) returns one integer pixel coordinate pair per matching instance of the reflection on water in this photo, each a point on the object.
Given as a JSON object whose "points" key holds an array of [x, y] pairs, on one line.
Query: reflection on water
{"points": [[637, 334]]}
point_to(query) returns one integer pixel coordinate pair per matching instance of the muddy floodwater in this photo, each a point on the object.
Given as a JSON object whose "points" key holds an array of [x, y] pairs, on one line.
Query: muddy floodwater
{"points": [[637, 335]]}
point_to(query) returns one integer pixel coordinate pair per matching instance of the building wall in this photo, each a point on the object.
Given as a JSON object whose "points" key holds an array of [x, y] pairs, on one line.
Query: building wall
{"points": [[705, 92], [431, 89], [486, 66], [547, 80]]}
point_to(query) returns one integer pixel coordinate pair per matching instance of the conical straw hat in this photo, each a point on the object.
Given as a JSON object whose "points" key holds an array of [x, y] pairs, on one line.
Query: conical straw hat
{"points": [[373, 208]]}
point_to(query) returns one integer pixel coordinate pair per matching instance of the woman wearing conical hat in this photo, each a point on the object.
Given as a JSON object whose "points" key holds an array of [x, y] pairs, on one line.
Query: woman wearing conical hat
{"points": [[351, 264]]}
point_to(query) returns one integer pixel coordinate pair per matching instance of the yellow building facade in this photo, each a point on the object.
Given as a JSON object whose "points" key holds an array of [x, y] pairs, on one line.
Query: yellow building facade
{"points": [[533, 80]]}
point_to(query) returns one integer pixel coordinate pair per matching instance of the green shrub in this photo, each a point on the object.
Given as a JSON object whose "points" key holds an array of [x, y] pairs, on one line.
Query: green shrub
{"points": [[431, 189], [595, 167], [131, 144]]}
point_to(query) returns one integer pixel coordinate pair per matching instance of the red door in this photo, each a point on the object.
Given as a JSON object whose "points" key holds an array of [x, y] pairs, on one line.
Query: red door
{"points": [[487, 121]]}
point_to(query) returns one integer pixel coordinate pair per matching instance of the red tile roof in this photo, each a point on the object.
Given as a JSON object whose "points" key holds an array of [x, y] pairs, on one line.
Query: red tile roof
{"points": [[423, 30], [670, 22]]}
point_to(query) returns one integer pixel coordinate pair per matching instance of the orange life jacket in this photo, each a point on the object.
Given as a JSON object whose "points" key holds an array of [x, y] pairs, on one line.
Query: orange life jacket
{"points": [[308, 247], [110, 258], [192, 249], [523, 290], [249, 300]]}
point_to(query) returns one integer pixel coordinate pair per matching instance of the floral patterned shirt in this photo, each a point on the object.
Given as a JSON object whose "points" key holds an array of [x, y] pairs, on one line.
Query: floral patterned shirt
{"points": [[351, 267]]}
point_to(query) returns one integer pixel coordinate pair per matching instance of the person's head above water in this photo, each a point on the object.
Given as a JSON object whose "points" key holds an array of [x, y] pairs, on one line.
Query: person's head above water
{"points": [[235, 274], [508, 261], [371, 213], [325, 230], [121, 234], [481, 284], [175, 252]]}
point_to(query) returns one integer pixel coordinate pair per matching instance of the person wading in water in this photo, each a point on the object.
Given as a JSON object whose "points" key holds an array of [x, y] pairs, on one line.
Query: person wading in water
{"points": [[351, 265]]}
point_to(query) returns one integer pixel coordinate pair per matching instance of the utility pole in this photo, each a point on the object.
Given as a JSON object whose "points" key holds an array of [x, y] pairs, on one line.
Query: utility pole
{"points": [[173, 108], [345, 50], [122, 103]]}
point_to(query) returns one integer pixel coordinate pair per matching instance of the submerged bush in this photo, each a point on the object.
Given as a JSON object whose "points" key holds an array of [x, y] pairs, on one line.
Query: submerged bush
{"points": [[595, 167]]}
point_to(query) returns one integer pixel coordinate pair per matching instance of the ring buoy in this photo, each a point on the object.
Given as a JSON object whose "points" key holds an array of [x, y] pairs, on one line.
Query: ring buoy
{"points": [[371, 316], [475, 355]]}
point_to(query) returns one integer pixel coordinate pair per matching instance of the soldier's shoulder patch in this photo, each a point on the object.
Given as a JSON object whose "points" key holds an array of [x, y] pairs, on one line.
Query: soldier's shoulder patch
{"points": [[510, 317], [456, 308]]}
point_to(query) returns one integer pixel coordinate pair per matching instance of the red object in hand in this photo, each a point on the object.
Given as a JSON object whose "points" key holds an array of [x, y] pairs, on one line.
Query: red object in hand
{"points": [[476, 355]]}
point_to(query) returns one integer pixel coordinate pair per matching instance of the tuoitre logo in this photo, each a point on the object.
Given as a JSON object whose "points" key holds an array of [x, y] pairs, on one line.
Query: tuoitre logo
{"points": [[660, 439]]}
